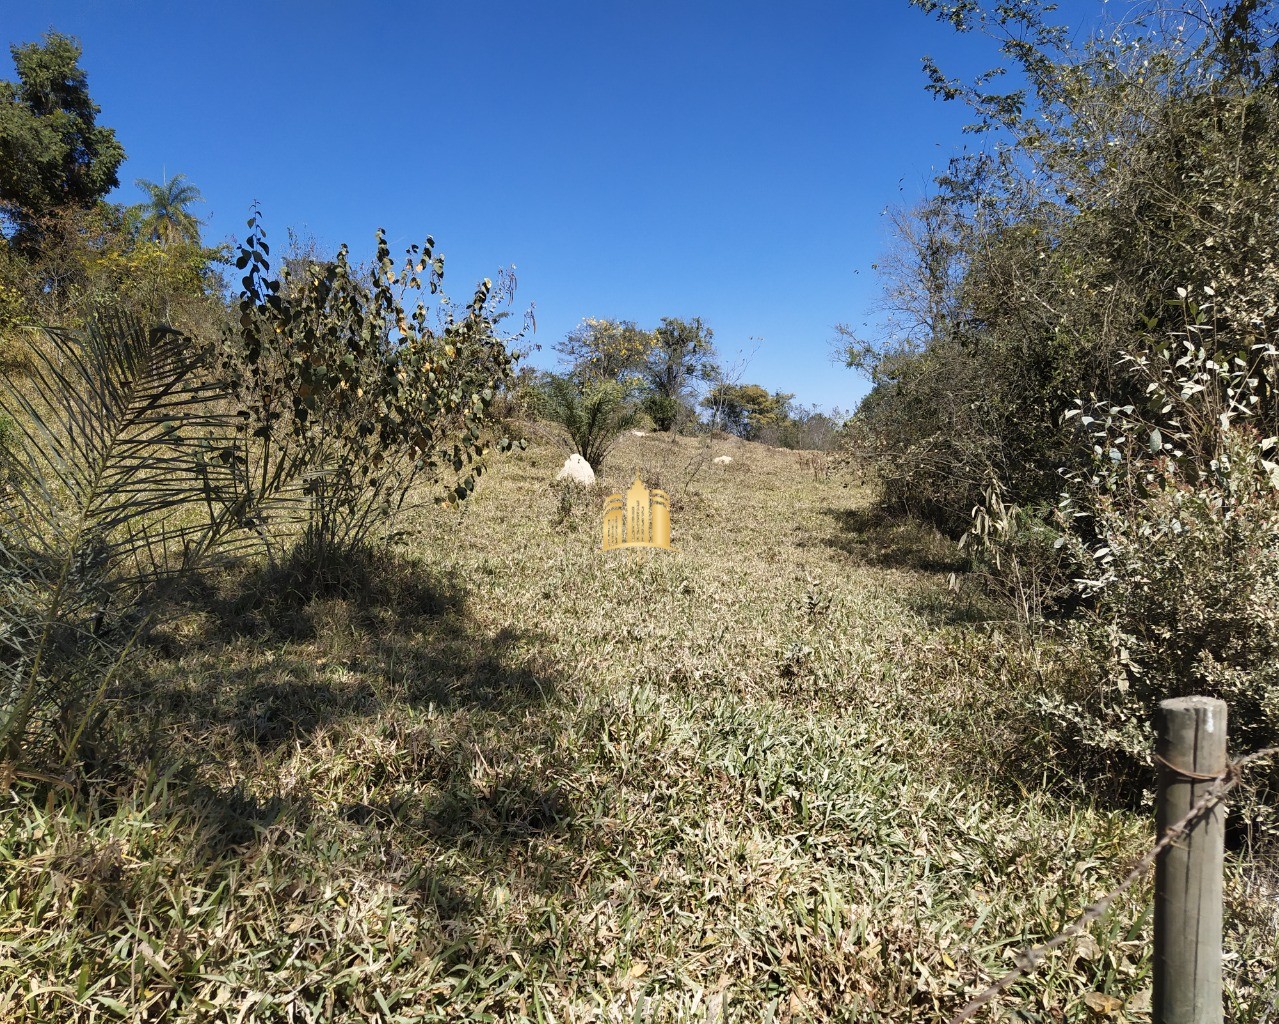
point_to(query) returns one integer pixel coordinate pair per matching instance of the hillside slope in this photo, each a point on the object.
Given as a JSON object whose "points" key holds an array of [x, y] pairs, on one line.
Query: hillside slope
{"points": [[767, 775]]}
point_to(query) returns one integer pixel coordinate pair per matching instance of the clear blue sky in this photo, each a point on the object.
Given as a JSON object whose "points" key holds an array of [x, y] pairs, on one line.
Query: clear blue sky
{"points": [[729, 160]]}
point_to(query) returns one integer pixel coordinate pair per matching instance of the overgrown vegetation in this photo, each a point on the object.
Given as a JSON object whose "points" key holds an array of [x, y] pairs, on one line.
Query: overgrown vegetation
{"points": [[134, 454], [65, 251], [282, 738], [770, 772], [1080, 371], [347, 388]]}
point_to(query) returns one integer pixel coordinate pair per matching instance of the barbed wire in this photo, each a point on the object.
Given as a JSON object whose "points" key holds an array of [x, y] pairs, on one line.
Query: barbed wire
{"points": [[1030, 957]]}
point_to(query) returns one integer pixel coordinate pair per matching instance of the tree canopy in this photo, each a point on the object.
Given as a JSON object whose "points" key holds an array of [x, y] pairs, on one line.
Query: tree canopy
{"points": [[747, 410], [166, 216], [54, 156], [681, 351]]}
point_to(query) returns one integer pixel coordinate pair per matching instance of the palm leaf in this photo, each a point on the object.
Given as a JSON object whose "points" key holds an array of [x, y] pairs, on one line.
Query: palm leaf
{"points": [[127, 468]]}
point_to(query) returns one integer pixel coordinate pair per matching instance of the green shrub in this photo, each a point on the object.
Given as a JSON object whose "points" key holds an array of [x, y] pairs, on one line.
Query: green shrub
{"points": [[593, 410], [1176, 529], [336, 376], [1018, 558]]}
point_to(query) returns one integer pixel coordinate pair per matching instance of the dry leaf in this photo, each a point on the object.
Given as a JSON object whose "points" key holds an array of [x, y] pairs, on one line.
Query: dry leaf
{"points": [[1101, 1003], [1086, 947]]}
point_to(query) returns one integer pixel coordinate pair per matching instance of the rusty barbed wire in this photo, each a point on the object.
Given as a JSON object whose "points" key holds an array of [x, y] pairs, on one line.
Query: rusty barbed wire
{"points": [[1030, 957]]}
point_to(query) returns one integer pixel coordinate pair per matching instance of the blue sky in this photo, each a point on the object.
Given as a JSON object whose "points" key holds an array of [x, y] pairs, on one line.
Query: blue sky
{"points": [[729, 160]]}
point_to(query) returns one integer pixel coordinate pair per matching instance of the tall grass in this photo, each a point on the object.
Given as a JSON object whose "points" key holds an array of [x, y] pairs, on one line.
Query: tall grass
{"points": [[778, 773]]}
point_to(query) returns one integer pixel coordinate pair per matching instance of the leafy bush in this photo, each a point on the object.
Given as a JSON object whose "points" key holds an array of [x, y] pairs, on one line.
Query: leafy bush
{"points": [[334, 374], [1176, 527], [1018, 558], [1140, 157]]}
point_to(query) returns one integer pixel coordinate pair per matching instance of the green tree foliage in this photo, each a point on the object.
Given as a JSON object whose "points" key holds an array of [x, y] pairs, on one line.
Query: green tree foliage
{"points": [[334, 371], [166, 215], [176, 283], [747, 410], [85, 259], [681, 352], [615, 371], [606, 350], [54, 156], [808, 428], [1142, 161], [67, 251]]}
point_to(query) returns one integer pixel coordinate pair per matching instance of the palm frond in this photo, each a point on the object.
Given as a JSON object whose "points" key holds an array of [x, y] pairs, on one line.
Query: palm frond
{"points": [[127, 468]]}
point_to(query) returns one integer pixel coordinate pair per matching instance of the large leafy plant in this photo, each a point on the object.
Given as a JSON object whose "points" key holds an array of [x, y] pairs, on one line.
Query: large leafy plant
{"points": [[352, 376], [594, 410], [122, 470], [1175, 527]]}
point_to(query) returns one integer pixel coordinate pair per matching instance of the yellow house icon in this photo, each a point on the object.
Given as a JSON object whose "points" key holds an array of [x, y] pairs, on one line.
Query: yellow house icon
{"points": [[639, 519]]}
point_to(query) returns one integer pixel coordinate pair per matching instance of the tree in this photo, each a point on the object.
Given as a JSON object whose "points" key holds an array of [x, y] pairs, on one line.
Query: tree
{"points": [[747, 410], [54, 156], [166, 215], [681, 351], [606, 350]]}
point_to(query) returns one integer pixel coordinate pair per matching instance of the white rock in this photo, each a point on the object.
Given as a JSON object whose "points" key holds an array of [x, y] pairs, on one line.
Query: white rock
{"points": [[639, 433], [722, 460], [578, 470]]}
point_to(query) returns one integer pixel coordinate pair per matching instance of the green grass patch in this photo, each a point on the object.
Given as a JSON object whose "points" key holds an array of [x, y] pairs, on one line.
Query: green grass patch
{"points": [[502, 776]]}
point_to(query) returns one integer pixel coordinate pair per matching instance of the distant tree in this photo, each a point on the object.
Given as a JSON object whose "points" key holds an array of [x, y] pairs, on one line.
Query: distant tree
{"points": [[606, 350], [748, 410], [54, 157], [681, 352], [808, 428], [166, 215]]}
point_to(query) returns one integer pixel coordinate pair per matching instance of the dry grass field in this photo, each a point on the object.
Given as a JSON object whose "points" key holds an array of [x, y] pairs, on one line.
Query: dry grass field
{"points": [[780, 773]]}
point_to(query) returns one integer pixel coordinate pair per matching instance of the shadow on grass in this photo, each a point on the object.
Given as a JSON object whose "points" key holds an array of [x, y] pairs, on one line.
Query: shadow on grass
{"points": [[878, 538], [383, 735], [270, 657], [374, 737], [249, 665], [285, 601]]}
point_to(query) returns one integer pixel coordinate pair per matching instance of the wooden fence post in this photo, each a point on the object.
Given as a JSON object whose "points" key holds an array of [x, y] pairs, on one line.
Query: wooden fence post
{"points": [[1191, 746]]}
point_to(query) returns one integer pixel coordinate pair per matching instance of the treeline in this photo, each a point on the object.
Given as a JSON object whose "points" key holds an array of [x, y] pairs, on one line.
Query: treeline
{"points": [[616, 375], [1079, 378], [155, 422], [64, 249]]}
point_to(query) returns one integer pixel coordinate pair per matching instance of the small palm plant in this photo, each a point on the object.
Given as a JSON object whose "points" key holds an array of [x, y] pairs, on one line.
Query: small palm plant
{"points": [[594, 411], [121, 473]]}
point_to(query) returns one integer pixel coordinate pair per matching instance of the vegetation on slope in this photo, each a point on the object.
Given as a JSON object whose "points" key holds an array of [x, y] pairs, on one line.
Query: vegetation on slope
{"points": [[776, 772], [445, 763]]}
